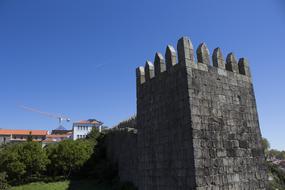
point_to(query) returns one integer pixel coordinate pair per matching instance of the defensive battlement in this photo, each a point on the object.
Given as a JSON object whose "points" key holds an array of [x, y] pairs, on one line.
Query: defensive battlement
{"points": [[186, 58], [197, 124]]}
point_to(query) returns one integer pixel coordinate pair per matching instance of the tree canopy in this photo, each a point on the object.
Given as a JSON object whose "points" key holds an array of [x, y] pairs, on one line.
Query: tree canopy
{"points": [[23, 160], [68, 156]]}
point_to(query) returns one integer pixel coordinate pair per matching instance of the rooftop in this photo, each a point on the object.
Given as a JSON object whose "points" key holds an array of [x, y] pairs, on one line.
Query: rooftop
{"points": [[89, 121], [22, 132], [59, 135]]}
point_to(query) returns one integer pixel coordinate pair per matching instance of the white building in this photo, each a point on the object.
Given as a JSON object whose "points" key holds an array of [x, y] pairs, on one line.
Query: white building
{"points": [[82, 128]]}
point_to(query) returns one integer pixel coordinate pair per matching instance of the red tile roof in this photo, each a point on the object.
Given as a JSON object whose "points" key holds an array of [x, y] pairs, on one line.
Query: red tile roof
{"points": [[59, 136], [24, 140], [23, 132], [89, 121]]}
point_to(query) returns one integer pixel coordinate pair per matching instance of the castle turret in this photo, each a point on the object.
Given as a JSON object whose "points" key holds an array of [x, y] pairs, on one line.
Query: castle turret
{"points": [[197, 122]]}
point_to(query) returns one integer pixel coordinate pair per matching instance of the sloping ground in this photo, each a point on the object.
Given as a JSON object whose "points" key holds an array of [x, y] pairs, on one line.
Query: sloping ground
{"points": [[64, 185]]}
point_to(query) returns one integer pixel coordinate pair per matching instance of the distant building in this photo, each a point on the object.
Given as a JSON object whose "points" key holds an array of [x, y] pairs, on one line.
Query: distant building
{"points": [[82, 128], [60, 131], [55, 138], [8, 135]]}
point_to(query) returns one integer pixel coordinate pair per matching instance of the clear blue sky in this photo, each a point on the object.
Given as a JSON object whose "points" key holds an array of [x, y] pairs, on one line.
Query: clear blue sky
{"points": [[79, 57]]}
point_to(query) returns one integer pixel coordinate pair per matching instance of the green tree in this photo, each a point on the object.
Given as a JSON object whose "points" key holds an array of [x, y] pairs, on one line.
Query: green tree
{"points": [[280, 155], [94, 137], [3, 182], [273, 153], [51, 151], [22, 160], [266, 146], [11, 162], [34, 158], [94, 134], [68, 156]]}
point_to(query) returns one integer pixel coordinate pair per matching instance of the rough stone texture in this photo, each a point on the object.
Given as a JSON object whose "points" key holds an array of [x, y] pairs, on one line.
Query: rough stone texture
{"points": [[121, 145], [197, 127]]}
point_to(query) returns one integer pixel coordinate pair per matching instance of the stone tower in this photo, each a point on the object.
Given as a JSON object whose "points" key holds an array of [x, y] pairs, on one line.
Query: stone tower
{"points": [[197, 123]]}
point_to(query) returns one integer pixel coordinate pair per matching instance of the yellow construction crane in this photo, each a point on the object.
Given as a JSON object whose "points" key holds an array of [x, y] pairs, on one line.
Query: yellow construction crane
{"points": [[60, 118]]}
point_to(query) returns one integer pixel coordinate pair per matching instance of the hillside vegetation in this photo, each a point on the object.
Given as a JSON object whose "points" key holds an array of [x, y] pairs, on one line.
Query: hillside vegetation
{"points": [[278, 177], [27, 165]]}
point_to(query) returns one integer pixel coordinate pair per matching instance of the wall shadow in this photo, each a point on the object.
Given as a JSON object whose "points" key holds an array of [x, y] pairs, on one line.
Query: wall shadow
{"points": [[87, 185]]}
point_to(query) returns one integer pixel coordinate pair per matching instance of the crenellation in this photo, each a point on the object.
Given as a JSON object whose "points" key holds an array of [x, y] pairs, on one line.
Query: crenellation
{"points": [[203, 54], [140, 74], [185, 51], [218, 60], [186, 58], [244, 67], [232, 64], [149, 70], [170, 57], [159, 64]]}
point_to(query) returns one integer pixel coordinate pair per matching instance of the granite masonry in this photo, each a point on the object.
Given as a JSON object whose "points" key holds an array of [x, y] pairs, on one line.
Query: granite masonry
{"points": [[197, 124]]}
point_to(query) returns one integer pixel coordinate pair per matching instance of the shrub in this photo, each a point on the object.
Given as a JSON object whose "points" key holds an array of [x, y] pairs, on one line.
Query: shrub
{"points": [[68, 156], [3, 182], [10, 162], [34, 158], [278, 177], [23, 160]]}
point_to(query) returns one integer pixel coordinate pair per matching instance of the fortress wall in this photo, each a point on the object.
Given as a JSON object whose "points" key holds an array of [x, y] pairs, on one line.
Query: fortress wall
{"points": [[164, 127], [197, 124], [226, 135], [121, 146]]}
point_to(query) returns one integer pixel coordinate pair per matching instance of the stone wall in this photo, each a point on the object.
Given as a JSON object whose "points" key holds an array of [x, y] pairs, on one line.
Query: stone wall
{"points": [[164, 130], [197, 124], [121, 147]]}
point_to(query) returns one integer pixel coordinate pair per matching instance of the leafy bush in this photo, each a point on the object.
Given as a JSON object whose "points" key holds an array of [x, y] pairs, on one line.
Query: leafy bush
{"points": [[68, 156], [278, 177], [129, 123], [22, 160], [98, 166], [3, 182], [34, 158]]}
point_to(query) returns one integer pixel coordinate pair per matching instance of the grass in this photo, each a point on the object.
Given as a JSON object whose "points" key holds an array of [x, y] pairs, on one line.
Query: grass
{"points": [[63, 185]]}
